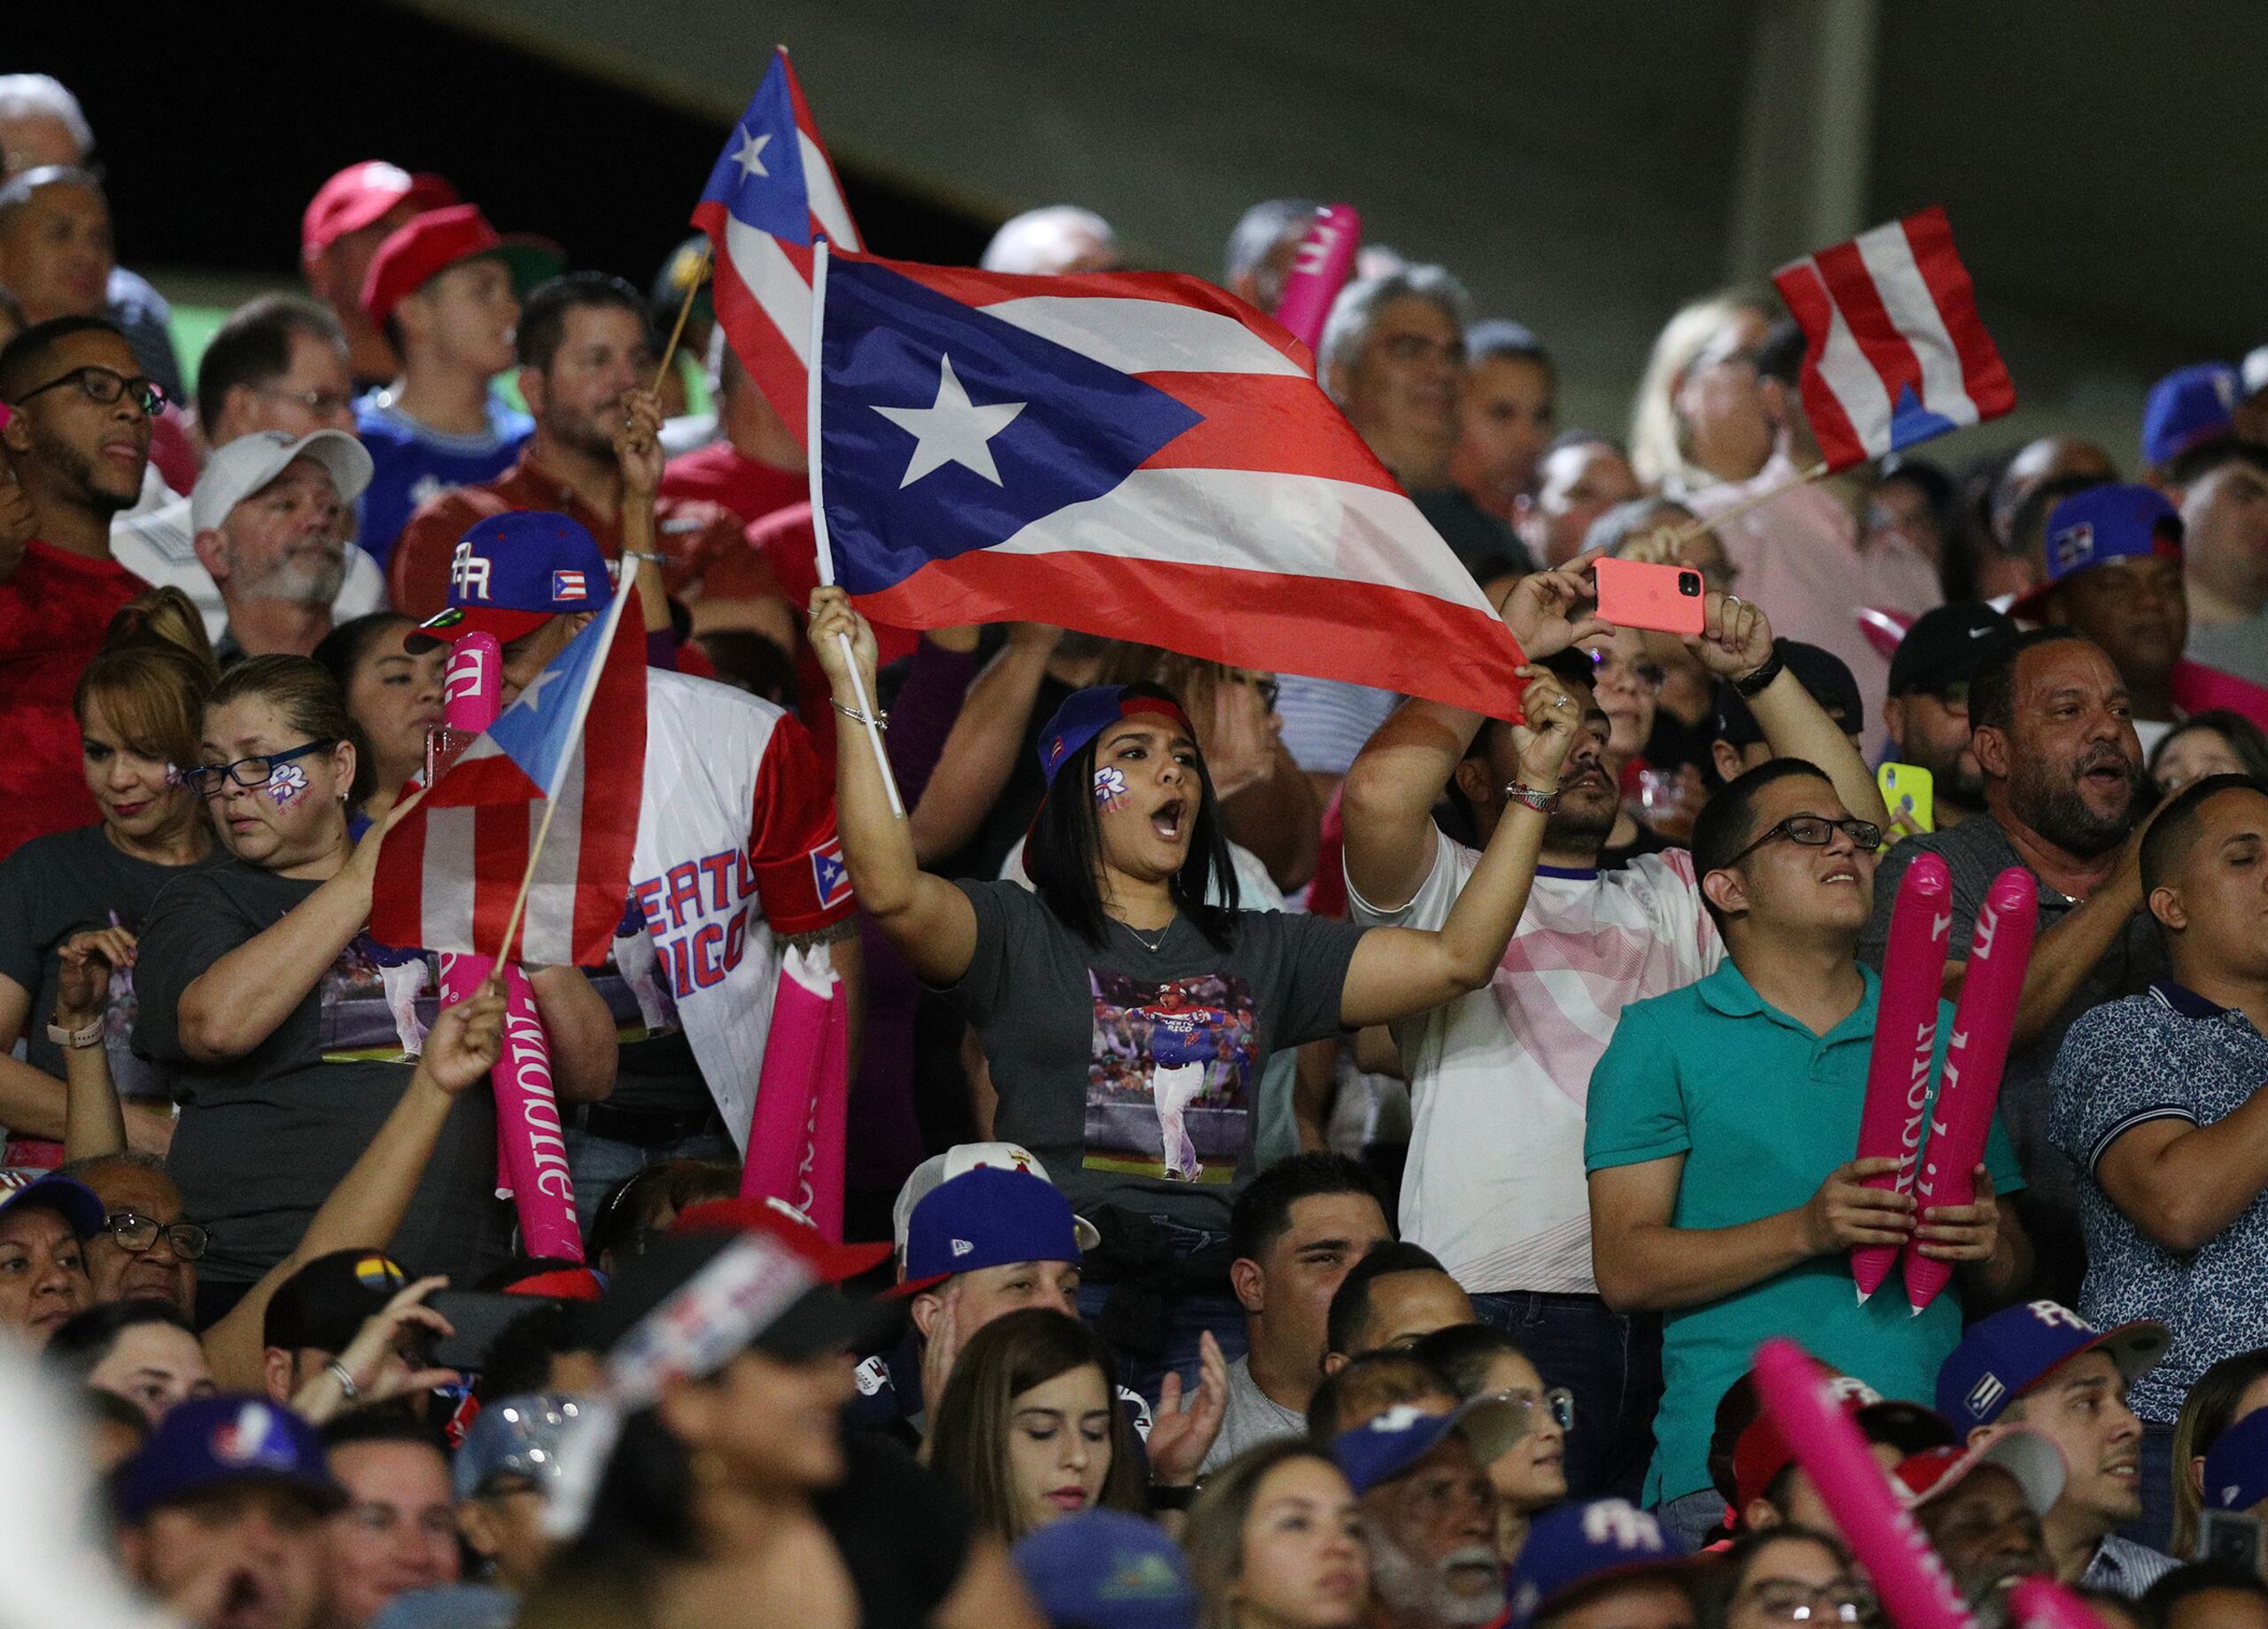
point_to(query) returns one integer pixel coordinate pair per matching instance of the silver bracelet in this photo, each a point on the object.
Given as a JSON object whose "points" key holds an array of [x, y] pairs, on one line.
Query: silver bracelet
{"points": [[339, 1371], [880, 720]]}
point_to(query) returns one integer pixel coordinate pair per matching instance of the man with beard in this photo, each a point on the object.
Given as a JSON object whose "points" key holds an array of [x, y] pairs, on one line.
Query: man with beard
{"points": [[1982, 1508], [2064, 791], [1494, 1186], [1429, 1510], [266, 514], [1927, 711], [583, 348]]}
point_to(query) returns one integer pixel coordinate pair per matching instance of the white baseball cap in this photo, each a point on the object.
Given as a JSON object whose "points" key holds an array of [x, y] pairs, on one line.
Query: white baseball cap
{"points": [[243, 466], [961, 1159]]}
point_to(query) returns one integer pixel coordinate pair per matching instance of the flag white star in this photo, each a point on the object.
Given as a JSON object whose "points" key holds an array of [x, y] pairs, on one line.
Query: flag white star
{"points": [[750, 157], [952, 430], [533, 694]]}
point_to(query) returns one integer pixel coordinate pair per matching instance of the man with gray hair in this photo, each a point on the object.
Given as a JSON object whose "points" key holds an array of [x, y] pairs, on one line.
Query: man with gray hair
{"points": [[42, 126], [1261, 248], [266, 517], [1054, 242]]}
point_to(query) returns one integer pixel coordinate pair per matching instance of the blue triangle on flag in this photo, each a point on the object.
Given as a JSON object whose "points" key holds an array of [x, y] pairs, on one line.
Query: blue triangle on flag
{"points": [[1911, 422], [1081, 428], [532, 732], [759, 176]]}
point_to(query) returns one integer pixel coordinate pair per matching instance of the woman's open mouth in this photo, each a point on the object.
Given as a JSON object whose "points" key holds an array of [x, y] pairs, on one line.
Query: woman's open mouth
{"points": [[1167, 820]]}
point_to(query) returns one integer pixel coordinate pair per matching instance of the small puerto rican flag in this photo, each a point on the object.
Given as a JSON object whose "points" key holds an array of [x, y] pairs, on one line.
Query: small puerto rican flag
{"points": [[829, 875], [1895, 351], [568, 586]]}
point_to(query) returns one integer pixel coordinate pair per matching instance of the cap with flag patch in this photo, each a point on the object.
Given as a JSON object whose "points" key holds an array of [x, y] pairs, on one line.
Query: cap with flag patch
{"points": [[2236, 1466], [1107, 1570], [2100, 524], [1577, 1549], [513, 572], [987, 1217], [1390, 1444], [2188, 407], [211, 1442], [2003, 1357], [965, 1157], [1087, 713]]}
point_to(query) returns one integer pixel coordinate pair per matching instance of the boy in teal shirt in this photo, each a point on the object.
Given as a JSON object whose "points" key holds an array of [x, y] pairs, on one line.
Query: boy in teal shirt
{"points": [[1722, 1122]]}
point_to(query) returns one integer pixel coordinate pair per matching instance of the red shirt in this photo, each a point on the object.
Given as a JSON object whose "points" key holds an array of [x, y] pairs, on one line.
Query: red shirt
{"points": [[790, 548], [52, 614], [717, 474]]}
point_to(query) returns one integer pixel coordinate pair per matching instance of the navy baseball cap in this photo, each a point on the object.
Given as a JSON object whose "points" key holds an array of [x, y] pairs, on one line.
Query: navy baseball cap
{"points": [[210, 1442], [68, 1197], [1823, 673], [2190, 406], [991, 1216], [1086, 713], [1107, 1570], [1384, 1447], [2006, 1354], [2100, 524], [1578, 1548], [2236, 1466], [513, 572], [515, 1436]]}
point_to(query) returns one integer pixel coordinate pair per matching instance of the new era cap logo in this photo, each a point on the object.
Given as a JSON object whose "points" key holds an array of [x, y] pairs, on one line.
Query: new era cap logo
{"points": [[962, 1247], [1984, 1396]]}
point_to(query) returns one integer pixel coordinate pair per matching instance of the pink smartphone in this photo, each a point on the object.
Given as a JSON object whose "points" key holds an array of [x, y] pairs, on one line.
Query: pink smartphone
{"points": [[1635, 594]]}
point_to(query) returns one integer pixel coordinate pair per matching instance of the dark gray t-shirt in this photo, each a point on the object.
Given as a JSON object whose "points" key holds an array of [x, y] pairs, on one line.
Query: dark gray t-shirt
{"points": [[265, 1137], [1119, 1066], [1974, 852], [60, 885]]}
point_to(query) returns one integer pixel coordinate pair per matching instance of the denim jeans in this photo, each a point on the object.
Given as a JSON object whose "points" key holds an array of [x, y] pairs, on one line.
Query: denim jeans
{"points": [[1690, 1517], [1187, 1317], [1613, 1363], [597, 1163]]}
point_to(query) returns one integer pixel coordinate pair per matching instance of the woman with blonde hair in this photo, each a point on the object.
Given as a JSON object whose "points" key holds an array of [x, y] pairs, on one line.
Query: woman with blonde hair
{"points": [[1695, 421], [1275, 1542], [138, 705]]}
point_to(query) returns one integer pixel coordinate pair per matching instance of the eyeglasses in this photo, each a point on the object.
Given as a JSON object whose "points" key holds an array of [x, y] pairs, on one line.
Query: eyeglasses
{"points": [[1559, 1403], [106, 386], [1816, 832], [1647, 675], [1270, 689], [250, 773], [1785, 1600], [135, 1233], [329, 404]]}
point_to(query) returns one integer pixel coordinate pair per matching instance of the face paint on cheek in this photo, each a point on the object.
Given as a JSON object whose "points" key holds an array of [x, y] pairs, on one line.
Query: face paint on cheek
{"points": [[1110, 788], [174, 776], [287, 785]]}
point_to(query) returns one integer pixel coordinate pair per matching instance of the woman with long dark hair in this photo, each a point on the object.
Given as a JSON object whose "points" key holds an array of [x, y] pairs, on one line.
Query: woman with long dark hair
{"points": [[1121, 962]]}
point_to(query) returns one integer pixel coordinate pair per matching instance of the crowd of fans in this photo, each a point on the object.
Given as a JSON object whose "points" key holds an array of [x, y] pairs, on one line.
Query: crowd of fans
{"points": [[1330, 1158]]}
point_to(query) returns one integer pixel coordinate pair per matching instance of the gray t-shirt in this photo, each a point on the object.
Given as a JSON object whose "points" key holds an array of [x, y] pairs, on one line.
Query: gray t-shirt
{"points": [[1253, 1418], [1974, 852], [1118, 1066], [2238, 648], [265, 1137]]}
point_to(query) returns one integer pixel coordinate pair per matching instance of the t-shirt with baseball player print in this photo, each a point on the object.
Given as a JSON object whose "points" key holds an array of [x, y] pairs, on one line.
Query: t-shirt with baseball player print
{"points": [[736, 852], [412, 464], [1132, 1070]]}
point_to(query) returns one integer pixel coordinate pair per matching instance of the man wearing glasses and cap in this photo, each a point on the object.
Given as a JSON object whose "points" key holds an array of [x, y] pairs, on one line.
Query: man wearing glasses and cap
{"points": [[76, 437]]}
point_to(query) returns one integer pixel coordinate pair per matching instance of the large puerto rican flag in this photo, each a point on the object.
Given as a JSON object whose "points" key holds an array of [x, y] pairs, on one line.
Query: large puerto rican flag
{"points": [[1895, 351], [450, 870], [773, 192], [1131, 455]]}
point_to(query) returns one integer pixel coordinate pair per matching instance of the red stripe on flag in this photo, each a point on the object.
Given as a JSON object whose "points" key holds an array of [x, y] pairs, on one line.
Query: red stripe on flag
{"points": [[494, 779], [1929, 235], [397, 901], [1807, 303], [1852, 287], [1274, 423], [756, 338], [1393, 638], [610, 799], [500, 839]]}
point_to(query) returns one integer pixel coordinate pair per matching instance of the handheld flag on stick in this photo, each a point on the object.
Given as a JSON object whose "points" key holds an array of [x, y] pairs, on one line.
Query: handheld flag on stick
{"points": [[771, 196]]}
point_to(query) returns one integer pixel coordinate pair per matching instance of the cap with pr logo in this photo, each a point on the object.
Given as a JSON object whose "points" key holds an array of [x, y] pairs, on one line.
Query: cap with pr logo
{"points": [[2008, 1354], [513, 572]]}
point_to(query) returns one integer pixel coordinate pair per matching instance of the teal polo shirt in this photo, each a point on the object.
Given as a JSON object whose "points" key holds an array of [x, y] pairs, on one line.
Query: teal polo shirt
{"points": [[1762, 1110]]}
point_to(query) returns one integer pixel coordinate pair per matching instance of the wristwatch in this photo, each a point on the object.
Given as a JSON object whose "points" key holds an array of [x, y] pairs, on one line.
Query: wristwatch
{"points": [[1542, 803], [91, 1035], [1753, 684]]}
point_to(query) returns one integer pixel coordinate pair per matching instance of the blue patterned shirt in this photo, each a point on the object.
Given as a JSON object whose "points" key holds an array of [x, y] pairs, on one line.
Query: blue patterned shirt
{"points": [[2168, 1054]]}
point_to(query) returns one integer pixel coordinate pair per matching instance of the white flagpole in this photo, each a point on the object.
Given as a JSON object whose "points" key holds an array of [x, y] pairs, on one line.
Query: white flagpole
{"points": [[613, 622], [814, 369]]}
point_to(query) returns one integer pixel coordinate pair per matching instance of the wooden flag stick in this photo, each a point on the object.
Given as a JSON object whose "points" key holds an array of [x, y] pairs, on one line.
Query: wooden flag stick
{"points": [[684, 309], [1686, 534]]}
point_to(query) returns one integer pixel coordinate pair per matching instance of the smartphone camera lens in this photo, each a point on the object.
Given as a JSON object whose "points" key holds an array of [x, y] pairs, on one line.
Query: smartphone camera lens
{"points": [[1689, 584]]}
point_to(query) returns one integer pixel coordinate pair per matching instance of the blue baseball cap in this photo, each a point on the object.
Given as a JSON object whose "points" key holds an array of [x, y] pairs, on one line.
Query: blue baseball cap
{"points": [[513, 572], [1107, 1570], [991, 1216], [210, 1442], [1087, 713], [68, 1197], [2236, 1466], [1578, 1548], [1390, 1444], [2092, 527], [2188, 406], [2006, 1354], [516, 1436]]}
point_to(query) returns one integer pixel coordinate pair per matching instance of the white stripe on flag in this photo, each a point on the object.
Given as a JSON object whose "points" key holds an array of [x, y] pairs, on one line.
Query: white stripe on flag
{"points": [[772, 277], [1145, 335], [1300, 525], [1853, 377], [549, 936], [825, 203], [445, 888], [1906, 296]]}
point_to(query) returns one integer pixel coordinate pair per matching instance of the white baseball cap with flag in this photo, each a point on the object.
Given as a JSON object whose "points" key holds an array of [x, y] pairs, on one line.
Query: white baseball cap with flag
{"points": [[242, 467], [958, 1161]]}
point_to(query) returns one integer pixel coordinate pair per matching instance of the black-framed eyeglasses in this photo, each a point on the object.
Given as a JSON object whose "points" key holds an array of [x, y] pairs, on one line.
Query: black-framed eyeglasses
{"points": [[328, 403], [1786, 1601], [1816, 832], [106, 386], [135, 1233], [1645, 673], [250, 773]]}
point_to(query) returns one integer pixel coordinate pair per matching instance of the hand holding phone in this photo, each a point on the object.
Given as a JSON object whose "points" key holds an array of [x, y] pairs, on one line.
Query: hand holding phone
{"points": [[1910, 794], [1633, 593]]}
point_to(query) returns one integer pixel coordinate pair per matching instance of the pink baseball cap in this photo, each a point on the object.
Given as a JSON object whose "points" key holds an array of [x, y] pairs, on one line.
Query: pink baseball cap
{"points": [[359, 195]]}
